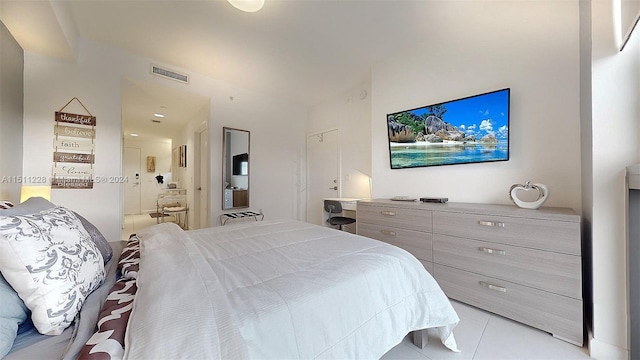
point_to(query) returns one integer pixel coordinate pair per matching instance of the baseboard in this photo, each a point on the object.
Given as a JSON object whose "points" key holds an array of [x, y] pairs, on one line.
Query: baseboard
{"points": [[603, 351]]}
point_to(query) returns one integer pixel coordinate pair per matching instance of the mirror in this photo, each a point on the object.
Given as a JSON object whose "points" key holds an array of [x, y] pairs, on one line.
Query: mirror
{"points": [[235, 168]]}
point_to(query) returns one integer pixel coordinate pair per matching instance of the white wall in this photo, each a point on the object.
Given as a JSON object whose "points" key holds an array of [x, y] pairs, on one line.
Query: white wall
{"points": [[615, 128], [277, 126], [530, 47], [149, 187], [11, 99]]}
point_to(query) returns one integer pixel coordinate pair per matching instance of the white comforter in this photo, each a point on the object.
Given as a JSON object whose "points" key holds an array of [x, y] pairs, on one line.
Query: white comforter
{"points": [[278, 289]]}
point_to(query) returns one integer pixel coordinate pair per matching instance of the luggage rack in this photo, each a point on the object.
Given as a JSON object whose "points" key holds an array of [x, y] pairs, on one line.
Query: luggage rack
{"points": [[257, 216]]}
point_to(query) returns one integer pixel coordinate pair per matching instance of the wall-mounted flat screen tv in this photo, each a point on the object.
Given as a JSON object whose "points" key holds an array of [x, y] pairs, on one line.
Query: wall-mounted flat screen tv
{"points": [[241, 164], [469, 130]]}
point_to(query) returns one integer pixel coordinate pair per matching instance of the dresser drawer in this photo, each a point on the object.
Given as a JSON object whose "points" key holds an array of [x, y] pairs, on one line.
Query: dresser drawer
{"points": [[410, 219], [559, 236], [415, 242], [559, 315], [545, 270]]}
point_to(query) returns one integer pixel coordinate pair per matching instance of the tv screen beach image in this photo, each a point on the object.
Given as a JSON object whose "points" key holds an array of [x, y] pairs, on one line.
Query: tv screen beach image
{"points": [[468, 130]]}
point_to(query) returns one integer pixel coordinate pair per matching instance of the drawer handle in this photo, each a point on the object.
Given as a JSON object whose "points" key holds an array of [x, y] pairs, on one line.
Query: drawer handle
{"points": [[492, 251], [491, 223], [493, 287], [388, 232], [388, 213]]}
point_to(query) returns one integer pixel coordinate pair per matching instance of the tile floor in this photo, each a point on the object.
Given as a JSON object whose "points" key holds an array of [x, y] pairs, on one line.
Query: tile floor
{"points": [[484, 336], [480, 335]]}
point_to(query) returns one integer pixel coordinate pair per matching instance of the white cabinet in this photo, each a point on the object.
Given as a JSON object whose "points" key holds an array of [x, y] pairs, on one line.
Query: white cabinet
{"points": [[522, 264]]}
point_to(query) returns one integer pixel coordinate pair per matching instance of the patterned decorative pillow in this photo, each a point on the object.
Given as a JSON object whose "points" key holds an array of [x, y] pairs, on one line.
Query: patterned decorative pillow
{"points": [[37, 204], [50, 260], [108, 341], [129, 262], [4, 204]]}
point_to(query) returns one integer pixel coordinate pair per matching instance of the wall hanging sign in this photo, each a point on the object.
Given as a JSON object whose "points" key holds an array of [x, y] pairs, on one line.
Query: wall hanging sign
{"points": [[73, 157], [64, 144], [151, 164], [74, 149], [76, 132]]}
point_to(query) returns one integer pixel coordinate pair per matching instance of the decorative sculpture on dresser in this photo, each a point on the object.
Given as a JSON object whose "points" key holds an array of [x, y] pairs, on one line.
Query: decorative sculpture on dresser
{"points": [[543, 195]]}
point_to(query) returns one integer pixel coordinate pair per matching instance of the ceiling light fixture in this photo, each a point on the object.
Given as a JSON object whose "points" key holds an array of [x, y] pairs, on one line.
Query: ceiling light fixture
{"points": [[247, 5], [158, 115], [133, 134]]}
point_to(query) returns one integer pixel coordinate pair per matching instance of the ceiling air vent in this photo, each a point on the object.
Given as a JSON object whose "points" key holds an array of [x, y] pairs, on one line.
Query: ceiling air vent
{"points": [[169, 74], [155, 121]]}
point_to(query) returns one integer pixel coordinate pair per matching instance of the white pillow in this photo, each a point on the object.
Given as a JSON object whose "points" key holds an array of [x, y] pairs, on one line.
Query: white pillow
{"points": [[50, 261]]}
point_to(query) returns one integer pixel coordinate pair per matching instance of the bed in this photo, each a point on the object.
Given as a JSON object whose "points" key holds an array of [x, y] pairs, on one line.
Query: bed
{"points": [[269, 289]]}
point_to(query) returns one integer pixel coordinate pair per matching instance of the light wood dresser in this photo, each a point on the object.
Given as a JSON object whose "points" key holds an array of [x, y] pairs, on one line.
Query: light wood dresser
{"points": [[525, 265]]}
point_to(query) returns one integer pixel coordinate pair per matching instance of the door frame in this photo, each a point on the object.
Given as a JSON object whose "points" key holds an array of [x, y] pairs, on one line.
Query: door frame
{"points": [[139, 180], [339, 162], [197, 198]]}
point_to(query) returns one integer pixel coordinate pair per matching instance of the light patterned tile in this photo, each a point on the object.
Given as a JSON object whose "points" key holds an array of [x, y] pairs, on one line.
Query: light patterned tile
{"points": [[468, 312], [505, 339]]}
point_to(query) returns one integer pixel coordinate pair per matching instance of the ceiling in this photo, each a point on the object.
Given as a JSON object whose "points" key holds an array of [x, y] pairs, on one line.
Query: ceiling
{"points": [[140, 101], [305, 51]]}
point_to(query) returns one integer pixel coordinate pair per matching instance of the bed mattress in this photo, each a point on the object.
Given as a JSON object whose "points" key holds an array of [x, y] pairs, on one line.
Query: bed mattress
{"points": [[278, 289]]}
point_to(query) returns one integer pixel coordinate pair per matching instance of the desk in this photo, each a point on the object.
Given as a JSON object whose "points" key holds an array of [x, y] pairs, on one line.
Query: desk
{"points": [[348, 210]]}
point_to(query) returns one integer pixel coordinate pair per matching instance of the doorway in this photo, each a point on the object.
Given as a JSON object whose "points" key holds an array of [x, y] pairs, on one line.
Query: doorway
{"points": [[158, 118], [323, 172], [131, 162]]}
